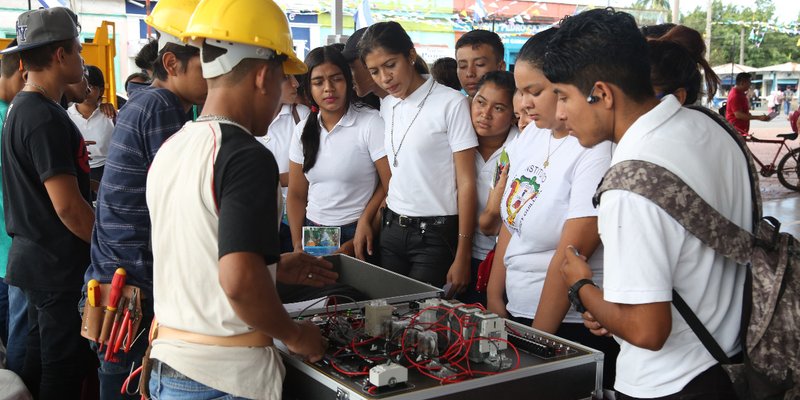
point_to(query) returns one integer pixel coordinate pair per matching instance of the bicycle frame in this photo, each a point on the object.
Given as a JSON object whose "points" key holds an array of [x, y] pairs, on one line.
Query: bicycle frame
{"points": [[781, 142]]}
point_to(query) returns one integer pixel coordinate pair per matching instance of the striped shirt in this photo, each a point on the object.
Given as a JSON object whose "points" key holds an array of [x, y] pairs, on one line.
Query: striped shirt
{"points": [[121, 235]]}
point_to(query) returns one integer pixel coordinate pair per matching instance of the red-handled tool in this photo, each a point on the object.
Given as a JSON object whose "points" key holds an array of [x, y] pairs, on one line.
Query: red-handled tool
{"points": [[117, 283], [115, 328], [131, 319], [125, 325]]}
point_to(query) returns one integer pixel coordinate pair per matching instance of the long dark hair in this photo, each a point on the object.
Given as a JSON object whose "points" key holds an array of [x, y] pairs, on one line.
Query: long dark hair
{"points": [[310, 136], [676, 59]]}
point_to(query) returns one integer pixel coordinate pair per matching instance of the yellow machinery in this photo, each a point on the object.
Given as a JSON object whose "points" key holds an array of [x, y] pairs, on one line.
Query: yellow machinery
{"points": [[100, 53]]}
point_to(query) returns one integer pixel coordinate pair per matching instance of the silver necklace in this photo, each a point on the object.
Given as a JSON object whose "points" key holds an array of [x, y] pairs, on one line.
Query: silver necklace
{"points": [[550, 139], [222, 119], [403, 139], [40, 89]]}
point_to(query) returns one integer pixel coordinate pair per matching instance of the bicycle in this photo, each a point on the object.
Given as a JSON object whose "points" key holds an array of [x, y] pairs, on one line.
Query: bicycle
{"points": [[788, 168]]}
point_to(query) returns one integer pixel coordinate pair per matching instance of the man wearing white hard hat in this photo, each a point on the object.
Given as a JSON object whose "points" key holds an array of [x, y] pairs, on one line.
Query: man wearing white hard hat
{"points": [[213, 195]]}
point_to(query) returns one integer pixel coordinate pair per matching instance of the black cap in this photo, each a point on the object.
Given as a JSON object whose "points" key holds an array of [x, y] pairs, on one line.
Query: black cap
{"points": [[350, 51], [37, 28]]}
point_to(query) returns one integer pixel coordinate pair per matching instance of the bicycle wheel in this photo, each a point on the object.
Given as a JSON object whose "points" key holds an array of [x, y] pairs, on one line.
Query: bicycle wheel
{"points": [[789, 170]]}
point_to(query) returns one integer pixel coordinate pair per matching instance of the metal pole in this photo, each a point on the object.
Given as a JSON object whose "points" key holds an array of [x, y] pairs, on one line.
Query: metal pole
{"points": [[733, 47], [337, 17], [709, 12], [741, 46], [676, 11]]}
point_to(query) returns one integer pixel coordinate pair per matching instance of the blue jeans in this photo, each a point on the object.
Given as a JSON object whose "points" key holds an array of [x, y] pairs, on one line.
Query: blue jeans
{"points": [[112, 374], [168, 384], [17, 329], [3, 311]]}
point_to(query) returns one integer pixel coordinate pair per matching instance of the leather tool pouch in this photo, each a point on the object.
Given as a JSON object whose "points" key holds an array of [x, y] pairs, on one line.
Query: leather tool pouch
{"points": [[97, 320]]}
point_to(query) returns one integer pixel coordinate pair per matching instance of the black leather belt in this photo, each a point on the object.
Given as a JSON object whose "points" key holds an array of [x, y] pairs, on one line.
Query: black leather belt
{"points": [[166, 370], [417, 222]]}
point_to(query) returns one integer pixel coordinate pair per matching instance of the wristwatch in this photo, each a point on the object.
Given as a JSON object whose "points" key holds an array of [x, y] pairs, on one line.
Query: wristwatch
{"points": [[572, 293]]}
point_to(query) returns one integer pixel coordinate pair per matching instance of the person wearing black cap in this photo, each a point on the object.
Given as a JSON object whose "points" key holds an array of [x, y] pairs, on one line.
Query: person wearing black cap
{"points": [[362, 81], [47, 213]]}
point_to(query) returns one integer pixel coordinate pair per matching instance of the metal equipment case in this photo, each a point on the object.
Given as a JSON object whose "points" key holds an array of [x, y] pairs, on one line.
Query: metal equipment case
{"points": [[574, 374]]}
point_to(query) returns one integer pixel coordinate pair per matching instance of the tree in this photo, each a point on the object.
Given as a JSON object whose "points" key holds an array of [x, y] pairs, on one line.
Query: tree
{"points": [[763, 44], [652, 5]]}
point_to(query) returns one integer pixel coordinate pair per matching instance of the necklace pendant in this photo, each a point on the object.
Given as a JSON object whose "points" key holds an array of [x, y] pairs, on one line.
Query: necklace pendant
{"points": [[395, 162], [546, 163]]}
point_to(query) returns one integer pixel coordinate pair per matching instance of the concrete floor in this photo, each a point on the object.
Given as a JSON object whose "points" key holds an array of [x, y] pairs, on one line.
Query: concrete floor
{"points": [[787, 211]]}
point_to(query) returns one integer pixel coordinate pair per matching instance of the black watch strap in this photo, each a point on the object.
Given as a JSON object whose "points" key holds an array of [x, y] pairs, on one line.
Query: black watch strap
{"points": [[574, 298]]}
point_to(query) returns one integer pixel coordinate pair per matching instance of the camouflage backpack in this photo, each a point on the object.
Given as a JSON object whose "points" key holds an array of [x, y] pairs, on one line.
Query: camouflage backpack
{"points": [[771, 307]]}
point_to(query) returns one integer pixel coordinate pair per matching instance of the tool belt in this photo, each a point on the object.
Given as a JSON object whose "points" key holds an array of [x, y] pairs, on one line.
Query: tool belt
{"points": [[250, 339], [98, 320]]}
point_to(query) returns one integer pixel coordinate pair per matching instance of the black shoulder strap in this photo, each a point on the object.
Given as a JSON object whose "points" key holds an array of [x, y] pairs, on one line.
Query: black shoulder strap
{"points": [[699, 329]]}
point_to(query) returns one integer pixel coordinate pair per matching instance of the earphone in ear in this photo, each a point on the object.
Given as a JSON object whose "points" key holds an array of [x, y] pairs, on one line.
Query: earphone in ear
{"points": [[591, 98]]}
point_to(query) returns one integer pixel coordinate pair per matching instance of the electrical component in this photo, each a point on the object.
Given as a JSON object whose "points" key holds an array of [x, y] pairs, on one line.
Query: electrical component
{"points": [[427, 344], [388, 374], [429, 316], [485, 327], [375, 313]]}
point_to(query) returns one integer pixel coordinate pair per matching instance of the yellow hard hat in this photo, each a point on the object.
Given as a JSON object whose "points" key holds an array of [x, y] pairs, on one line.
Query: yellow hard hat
{"points": [[169, 18], [259, 23]]}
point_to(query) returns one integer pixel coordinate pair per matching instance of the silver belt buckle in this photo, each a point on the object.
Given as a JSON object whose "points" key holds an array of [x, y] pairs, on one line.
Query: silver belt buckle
{"points": [[403, 221]]}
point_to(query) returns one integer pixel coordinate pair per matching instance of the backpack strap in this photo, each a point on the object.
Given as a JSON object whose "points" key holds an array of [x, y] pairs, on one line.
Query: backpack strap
{"points": [[699, 329], [755, 193], [682, 203]]}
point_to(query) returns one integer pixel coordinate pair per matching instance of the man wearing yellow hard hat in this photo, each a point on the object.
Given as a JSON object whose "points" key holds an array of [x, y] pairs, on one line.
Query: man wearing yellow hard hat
{"points": [[213, 197], [121, 237]]}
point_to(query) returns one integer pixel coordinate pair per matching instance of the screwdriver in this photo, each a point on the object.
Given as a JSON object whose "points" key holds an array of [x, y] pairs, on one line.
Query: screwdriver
{"points": [[117, 283]]}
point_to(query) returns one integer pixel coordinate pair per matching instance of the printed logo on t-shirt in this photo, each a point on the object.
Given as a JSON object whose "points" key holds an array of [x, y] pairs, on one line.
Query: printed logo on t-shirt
{"points": [[82, 158], [522, 193]]}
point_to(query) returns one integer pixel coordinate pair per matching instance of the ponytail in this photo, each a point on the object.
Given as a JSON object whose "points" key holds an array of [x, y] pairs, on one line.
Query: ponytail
{"points": [[310, 140]]}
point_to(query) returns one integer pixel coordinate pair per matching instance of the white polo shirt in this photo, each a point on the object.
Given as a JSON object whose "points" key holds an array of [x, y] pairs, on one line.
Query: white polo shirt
{"points": [[647, 253], [344, 177], [538, 201], [424, 181], [482, 244], [280, 133], [97, 128]]}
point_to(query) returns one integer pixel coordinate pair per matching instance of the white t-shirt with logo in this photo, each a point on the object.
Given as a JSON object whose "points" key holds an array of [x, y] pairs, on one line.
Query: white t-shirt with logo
{"points": [[648, 253], [486, 170], [424, 181], [536, 204], [344, 177]]}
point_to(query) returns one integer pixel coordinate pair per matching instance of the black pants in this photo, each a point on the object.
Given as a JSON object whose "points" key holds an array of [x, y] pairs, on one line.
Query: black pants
{"points": [[424, 253], [57, 357], [712, 384], [580, 334]]}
